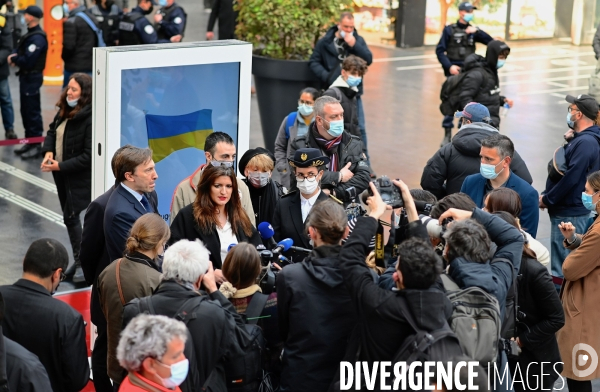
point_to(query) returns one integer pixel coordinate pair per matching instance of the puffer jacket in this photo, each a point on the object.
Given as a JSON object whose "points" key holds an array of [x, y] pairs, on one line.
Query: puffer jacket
{"points": [[350, 150], [482, 84], [310, 295], [74, 179], [451, 164], [79, 41]]}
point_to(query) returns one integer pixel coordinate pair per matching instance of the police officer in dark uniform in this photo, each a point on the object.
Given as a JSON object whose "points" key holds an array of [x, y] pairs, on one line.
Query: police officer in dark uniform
{"points": [[293, 208], [107, 15], [170, 21], [457, 42], [30, 57], [134, 28]]}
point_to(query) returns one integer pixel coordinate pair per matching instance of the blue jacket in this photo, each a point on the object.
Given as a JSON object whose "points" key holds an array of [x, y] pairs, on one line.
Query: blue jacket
{"points": [[582, 155], [495, 277], [34, 46], [474, 186], [325, 63], [442, 46], [173, 23], [121, 212]]}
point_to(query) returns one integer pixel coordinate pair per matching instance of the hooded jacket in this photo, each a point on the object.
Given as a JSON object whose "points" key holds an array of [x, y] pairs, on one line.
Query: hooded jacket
{"points": [[482, 84], [347, 97], [451, 164], [383, 325], [582, 156], [316, 318], [325, 63]]}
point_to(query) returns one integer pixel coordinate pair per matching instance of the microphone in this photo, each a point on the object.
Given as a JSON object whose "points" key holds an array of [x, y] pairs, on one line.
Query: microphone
{"points": [[266, 233], [299, 249], [230, 246], [283, 245]]}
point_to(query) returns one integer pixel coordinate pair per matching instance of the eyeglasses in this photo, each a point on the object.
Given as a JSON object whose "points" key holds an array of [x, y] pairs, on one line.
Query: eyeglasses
{"points": [[62, 274], [311, 177], [570, 109], [307, 103]]}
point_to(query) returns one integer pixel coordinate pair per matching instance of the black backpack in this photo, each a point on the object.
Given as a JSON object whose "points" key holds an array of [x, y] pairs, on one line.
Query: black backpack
{"points": [[449, 95], [127, 34], [246, 373]]}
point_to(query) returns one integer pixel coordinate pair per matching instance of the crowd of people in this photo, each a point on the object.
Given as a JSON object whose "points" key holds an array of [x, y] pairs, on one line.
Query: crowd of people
{"points": [[259, 285]]}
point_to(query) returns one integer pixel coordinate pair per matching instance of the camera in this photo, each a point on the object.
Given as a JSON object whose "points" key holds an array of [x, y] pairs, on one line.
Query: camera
{"points": [[512, 349], [390, 194], [353, 209], [434, 229]]}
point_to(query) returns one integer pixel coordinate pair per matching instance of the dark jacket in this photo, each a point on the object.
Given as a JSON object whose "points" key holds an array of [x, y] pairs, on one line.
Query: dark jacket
{"points": [[184, 226], [31, 51], [287, 223], [474, 186], [50, 329], [582, 155], [79, 41], [347, 97], [264, 200], [316, 318], [217, 330], [482, 84], [173, 22], [74, 179], [108, 21], [24, 370], [6, 47], [383, 325], [223, 10], [451, 164], [349, 150], [541, 316], [121, 212], [596, 43], [441, 49], [493, 277], [325, 62]]}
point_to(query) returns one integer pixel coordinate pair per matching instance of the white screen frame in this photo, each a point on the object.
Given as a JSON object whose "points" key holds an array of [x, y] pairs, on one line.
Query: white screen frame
{"points": [[106, 114]]}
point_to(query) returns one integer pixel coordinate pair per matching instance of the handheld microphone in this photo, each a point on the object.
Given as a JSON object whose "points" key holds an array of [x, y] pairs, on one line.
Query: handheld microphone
{"points": [[230, 246], [301, 250], [266, 233], [283, 245]]}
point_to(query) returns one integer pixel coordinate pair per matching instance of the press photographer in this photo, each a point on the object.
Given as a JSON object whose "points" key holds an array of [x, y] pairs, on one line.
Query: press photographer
{"points": [[312, 294]]}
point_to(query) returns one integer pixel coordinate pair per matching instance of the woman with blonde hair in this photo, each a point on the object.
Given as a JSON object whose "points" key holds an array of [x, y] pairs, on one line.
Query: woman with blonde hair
{"points": [[579, 295], [136, 275]]}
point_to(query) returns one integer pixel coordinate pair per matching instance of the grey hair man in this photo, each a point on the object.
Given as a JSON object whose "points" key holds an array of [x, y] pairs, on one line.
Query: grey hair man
{"points": [[217, 331], [151, 350], [348, 165]]}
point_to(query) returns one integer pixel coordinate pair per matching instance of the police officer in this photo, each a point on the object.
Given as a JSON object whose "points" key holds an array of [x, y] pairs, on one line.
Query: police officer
{"points": [[134, 28], [170, 21], [293, 208], [107, 15], [457, 42], [30, 57]]}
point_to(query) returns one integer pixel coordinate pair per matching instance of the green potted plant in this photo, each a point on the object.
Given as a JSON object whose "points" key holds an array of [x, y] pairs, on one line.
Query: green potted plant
{"points": [[283, 34]]}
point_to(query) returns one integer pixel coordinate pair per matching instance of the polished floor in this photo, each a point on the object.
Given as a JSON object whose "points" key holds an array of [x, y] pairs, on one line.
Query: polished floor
{"points": [[403, 125]]}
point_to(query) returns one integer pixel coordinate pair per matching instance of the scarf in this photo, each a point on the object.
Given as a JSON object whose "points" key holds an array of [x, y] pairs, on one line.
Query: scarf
{"points": [[229, 291], [330, 147]]}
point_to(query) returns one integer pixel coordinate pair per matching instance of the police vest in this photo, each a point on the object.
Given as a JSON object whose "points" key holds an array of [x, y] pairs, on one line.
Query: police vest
{"points": [[106, 22], [461, 45], [40, 63], [127, 34], [166, 15]]}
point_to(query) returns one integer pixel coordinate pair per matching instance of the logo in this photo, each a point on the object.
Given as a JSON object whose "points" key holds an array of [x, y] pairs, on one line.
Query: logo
{"points": [[304, 157], [589, 359]]}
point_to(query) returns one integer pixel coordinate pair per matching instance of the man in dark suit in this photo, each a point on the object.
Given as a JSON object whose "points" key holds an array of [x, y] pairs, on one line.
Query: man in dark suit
{"points": [[292, 209], [496, 155], [47, 327], [136, 176], [94, 258]]}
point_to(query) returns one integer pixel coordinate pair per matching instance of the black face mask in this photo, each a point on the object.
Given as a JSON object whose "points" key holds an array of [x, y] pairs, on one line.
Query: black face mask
{"points": [[149, 11]]}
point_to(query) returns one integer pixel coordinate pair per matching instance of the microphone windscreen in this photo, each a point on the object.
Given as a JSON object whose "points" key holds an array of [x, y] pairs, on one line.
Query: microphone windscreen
{"points": [[286, 243], [265, 230]]}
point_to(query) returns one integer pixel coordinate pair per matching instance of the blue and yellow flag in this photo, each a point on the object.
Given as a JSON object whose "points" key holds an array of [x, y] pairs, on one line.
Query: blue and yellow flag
{"points": [[167, 134]]}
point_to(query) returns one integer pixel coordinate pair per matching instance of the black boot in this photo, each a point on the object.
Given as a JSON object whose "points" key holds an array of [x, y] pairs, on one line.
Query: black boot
{"points": [[447, 137], [74, 273], [10, 134], [34, 152], [24, 148]]}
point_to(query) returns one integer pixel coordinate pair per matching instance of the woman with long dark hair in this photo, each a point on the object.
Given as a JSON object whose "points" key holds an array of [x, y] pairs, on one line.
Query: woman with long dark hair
{"points": [[68, 155], [216, 217]]}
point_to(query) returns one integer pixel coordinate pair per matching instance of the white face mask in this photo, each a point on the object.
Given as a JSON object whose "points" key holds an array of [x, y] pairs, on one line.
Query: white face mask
{"points": [[308, 187], [259, 179]]}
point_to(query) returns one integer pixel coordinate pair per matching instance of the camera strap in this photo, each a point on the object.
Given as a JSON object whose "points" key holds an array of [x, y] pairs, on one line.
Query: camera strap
{"points": [[379, 247]]}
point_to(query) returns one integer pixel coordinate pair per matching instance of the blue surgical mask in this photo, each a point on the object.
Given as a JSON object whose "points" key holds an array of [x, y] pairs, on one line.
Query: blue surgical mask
{"points": [[353, 81], [587, 201], [336, 128], [342, 33], [72, 103], [468, 17], [305, 110], [500, 63], [66, 9], [162, 3], [179, 372], [570, 122], [489, 171]]}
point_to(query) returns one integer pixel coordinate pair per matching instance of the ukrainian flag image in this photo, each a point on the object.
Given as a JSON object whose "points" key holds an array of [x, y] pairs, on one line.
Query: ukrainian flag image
{"points": [[167, 134]]}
